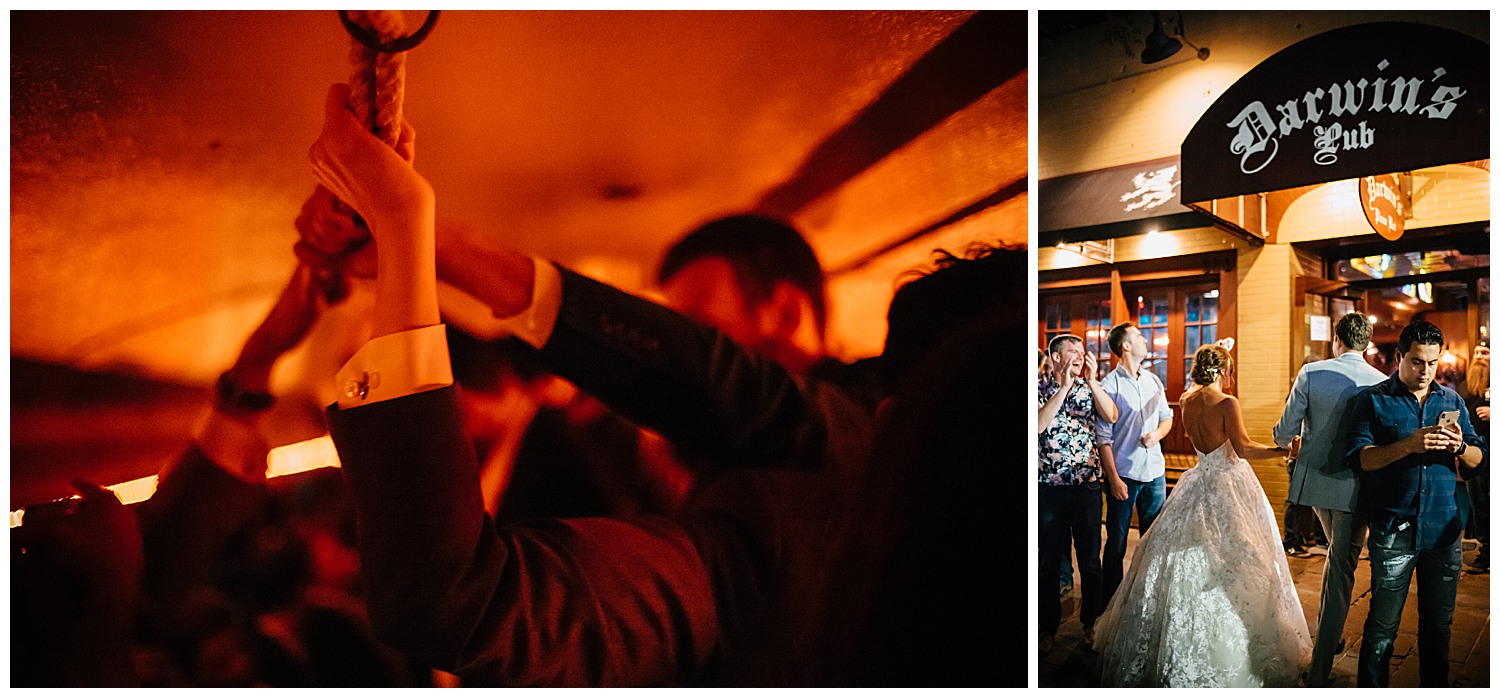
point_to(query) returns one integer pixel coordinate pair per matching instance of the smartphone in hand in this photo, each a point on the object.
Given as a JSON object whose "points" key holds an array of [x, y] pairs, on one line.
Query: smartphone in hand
{"points": [[1448, 420]]}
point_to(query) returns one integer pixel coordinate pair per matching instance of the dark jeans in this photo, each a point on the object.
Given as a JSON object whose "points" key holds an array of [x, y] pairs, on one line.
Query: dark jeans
{"points": [[1145, 498], [1479, 500], [1068, 513], [1393, 559]]}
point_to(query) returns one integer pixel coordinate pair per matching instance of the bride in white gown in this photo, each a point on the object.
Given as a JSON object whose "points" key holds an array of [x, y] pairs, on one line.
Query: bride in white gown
{"points": [[1208, 599]]}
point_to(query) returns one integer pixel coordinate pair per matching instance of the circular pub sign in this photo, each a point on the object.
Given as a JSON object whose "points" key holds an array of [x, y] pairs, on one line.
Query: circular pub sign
{"points": [[1381, 199]]}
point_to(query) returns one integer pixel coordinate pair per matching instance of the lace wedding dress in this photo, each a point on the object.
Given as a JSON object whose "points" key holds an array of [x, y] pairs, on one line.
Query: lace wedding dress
{"points": [[1208, 599]]}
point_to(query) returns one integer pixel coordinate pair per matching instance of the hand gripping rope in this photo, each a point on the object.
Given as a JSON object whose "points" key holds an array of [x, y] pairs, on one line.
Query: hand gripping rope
{"points": [[376, 88]]}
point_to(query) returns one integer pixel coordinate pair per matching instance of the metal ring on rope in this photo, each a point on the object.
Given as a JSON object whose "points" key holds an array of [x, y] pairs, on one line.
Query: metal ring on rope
{"points": [[373, 42]]}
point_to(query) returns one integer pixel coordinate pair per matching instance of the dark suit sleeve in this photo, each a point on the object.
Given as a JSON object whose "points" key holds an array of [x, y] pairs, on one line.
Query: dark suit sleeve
{"points": [[704, 393], [185, 525], [576, 602]]}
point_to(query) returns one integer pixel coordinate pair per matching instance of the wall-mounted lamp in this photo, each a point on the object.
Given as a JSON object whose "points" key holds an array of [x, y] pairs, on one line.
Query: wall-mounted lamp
{"points": [[1096, 250], [1160, 47]]}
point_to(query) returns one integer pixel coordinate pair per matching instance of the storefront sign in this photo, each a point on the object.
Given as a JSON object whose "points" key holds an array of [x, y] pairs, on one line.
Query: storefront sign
{"points": [[1356, 101], [1384, 204], [1117, 201]]}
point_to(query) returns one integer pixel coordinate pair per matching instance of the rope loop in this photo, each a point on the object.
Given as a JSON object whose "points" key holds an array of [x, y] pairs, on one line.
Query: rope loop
{"points": [[374, 42]]}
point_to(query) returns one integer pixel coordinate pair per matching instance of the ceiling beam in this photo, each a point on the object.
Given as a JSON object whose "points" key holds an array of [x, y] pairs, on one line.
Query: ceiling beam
{"points": [[980, 55], [999, 196]]}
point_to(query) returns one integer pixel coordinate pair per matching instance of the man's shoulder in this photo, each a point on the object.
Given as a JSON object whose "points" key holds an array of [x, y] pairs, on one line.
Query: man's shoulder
{"points": [[1111, 380], [1343, 364], [1380, 387], [1110, 383], [1449, 394], [1151, 381], [860, 380]]}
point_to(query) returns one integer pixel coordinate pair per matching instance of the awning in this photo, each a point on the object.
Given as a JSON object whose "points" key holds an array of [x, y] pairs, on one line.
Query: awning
{"points": [[1114, 202], [1361, 100]]}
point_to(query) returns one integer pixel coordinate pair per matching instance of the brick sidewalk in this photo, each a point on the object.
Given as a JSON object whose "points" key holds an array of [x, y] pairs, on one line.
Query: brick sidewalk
{"points": [[1071, 664]]}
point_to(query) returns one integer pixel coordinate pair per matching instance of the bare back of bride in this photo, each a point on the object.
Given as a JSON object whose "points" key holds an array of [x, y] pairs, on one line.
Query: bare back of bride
{"points": [[1208, 598]]}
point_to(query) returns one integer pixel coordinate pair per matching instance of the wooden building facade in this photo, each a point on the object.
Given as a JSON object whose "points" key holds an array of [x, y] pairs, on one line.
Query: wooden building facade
{"points": [[1157, 208]]}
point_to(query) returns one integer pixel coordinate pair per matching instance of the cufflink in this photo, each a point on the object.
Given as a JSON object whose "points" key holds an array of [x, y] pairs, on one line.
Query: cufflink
{"points": [[361, 388]]}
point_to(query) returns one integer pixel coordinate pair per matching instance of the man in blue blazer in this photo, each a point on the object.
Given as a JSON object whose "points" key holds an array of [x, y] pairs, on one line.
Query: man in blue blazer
{"points": [[1318, 411]]}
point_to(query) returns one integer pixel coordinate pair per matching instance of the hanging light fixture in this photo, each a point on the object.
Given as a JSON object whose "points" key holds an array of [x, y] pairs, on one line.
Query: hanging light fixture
{"points": [[1160, 46]]}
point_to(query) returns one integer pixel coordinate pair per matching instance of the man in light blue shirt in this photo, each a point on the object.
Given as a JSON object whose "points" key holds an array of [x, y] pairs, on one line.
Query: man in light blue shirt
{"points": [[1318, 410], [1135, 471]]}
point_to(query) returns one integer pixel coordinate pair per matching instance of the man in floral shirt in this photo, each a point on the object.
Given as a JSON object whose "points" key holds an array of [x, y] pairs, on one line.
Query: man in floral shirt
{"points": [[1069, 495]]}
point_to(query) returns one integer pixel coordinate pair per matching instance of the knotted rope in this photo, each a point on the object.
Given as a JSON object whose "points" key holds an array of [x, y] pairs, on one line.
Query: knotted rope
{"points": [[377, 82]]}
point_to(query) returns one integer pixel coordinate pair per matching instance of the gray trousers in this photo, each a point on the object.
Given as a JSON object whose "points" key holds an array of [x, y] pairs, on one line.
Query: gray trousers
{"points": [[1346, 537]]}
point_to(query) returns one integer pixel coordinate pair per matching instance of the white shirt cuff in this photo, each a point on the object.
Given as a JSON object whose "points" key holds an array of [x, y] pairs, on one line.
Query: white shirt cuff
{"points": [[534, 324], [396, 365], [234, 445]]}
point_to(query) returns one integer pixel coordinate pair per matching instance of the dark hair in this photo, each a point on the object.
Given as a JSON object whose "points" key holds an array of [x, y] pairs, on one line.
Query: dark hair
{"points": [[954, 293], [1354, 331], [1419, 332], [1055, 345], [1117, 338], [762, 251]]}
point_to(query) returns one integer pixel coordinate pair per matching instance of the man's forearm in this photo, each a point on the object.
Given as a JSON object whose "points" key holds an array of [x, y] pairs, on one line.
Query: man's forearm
{"points": [[500, 277], [1104, 404], [1293, 414], [1048, 413], [1288, 426], [1107, 462], [1471, 456], [1376, 457]]}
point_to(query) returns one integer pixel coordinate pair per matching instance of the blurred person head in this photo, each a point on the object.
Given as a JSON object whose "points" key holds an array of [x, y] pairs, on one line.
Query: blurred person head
{"points": [[953, 292], [75, 580], [755, 279]]}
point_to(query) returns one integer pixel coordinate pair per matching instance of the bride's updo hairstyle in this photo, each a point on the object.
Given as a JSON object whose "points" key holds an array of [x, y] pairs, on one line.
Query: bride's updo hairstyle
{"points": [[1211, 363]]}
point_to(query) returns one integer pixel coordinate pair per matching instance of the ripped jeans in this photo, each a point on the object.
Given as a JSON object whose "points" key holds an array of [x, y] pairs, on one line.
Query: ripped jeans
{"points": [[1393, 559]]}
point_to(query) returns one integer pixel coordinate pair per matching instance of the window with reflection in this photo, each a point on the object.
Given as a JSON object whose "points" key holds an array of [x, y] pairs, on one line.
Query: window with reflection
{"points": [[1392, 266], [1097, 338], [1200, 325], [1057, 322], [1152, 319]]}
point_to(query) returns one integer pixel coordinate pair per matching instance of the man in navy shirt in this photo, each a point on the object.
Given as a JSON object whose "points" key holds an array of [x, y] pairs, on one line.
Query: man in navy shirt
{"points": [[1409, 465]]}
